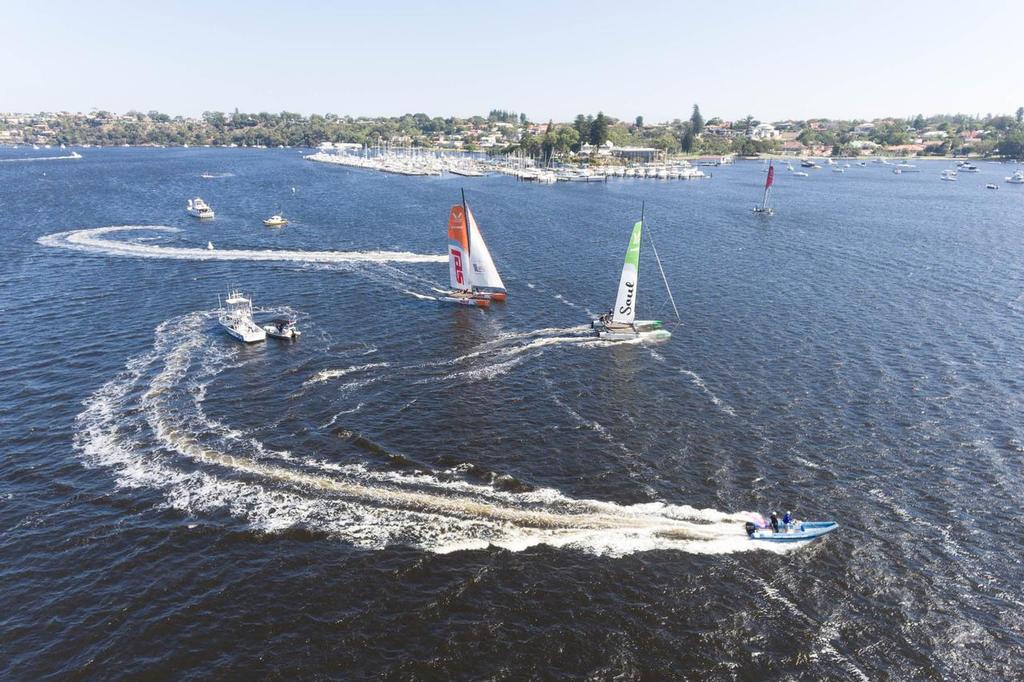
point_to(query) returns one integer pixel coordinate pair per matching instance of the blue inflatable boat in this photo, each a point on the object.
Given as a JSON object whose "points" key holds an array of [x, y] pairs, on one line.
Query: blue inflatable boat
{"points": [[800, 531]]}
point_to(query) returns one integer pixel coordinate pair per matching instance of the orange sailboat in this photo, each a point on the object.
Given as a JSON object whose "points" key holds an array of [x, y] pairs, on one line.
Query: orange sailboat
{"points": [[472, 273]]}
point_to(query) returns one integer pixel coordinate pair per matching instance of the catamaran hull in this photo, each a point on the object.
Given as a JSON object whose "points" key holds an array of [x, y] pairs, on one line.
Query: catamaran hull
{"points": [[807, 530], [500, 296], [460, 300], [650, 330]]}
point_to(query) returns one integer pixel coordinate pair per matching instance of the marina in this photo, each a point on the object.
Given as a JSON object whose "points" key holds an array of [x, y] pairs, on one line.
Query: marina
{"points": [[421, 162]]}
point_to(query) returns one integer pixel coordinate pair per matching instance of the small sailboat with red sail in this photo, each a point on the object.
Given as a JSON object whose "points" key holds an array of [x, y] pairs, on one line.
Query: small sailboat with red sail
{"points": [[764, 208], [473, 276]]}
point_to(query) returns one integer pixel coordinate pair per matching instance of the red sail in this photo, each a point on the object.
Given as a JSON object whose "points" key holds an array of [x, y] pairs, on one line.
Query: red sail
{"points": [[771, 176]]}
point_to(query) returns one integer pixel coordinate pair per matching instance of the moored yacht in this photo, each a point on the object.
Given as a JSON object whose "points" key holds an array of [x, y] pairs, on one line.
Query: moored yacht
{"points": [[197, 208], [948, 174], [236, 319], [1017, 178]]}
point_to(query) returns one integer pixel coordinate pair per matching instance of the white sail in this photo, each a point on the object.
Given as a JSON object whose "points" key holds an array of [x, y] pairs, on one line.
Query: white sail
{"points": [[485, 275], [625, 302]]}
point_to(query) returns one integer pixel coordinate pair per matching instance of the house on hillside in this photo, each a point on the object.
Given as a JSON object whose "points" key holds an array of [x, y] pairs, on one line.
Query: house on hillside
{"points": [[637, 154], [764, 131]]}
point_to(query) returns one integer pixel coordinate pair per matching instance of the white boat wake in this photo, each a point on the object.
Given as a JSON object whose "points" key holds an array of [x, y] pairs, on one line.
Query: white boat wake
{"points": [[63, 157], [93, 241], [149, 426]]}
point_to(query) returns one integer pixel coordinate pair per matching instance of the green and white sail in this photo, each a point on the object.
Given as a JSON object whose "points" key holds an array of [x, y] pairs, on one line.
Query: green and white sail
{"points": [[625, 302]]}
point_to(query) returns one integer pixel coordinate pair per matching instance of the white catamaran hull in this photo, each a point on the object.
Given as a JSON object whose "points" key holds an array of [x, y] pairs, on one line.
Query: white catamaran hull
{"points": [[640, 329], [474, 300]]}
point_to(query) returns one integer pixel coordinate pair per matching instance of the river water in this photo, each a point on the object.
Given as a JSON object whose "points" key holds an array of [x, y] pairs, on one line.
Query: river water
{"points": [[421, 491]]}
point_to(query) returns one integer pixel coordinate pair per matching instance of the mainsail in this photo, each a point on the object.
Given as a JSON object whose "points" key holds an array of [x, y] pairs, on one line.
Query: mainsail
{"points": [[768, 185], [625, 302], [485, 275], [458, 250]]}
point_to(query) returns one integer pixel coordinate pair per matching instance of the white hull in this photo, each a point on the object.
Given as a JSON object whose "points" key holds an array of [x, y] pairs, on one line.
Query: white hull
{"points": [[288, 334], [477, 301], [640, 329], [247, 335]]}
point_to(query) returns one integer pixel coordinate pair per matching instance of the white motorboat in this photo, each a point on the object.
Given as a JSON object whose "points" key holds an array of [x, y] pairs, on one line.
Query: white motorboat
{"points": [[968, 168], [282, 328], [197, 208], [948, 175], [275, 221], [800, 174], [236, 319], [1017, 178]]}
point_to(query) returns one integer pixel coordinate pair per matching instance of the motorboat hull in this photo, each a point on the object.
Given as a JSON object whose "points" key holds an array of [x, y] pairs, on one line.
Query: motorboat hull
{"points": [[288, 334], [801, 532], [249, 336]]}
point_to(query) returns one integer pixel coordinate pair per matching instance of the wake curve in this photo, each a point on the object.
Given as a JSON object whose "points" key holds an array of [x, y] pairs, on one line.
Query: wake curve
{"points": [[92, 241], [148, 425]]}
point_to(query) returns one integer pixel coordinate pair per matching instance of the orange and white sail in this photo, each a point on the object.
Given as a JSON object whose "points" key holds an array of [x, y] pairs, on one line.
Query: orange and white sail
{"points": [[459, 267], [485, 275]]}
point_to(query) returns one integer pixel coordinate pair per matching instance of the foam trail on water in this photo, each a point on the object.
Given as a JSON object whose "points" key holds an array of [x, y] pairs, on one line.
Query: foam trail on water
{"points": [[72, 155], [92, 241], [328, 374], [148, 425]]}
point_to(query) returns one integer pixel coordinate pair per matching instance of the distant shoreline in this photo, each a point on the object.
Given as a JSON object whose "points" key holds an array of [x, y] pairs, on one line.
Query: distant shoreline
{"points": [[678, 157]]}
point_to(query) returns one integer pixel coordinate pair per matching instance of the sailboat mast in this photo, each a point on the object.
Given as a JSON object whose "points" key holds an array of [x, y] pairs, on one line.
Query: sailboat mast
{"points": [[465, 212], [664, 279]]}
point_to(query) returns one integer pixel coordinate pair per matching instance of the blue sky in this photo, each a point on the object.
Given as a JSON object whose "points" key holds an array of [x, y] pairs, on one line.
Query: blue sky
{"points": [[549, 59]]}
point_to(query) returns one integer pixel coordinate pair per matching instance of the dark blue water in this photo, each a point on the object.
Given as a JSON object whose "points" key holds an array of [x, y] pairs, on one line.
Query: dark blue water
{"points": [[416, 491]]}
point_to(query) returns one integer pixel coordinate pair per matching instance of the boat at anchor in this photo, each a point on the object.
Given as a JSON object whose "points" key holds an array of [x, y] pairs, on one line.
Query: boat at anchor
{"points": [[282, 328], [197, 208], [236, 319]]}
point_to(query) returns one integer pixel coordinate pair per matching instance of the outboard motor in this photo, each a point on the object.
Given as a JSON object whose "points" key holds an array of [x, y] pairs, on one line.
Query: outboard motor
{"points": [[751, 527]]}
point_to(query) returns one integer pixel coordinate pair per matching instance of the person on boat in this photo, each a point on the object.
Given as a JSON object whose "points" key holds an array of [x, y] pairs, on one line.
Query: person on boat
{"points": [[775, 522], [787, 520]]}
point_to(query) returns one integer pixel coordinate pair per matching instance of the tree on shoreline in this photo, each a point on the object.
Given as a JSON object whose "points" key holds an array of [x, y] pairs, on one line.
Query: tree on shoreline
{"points": [[696, 121]]}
